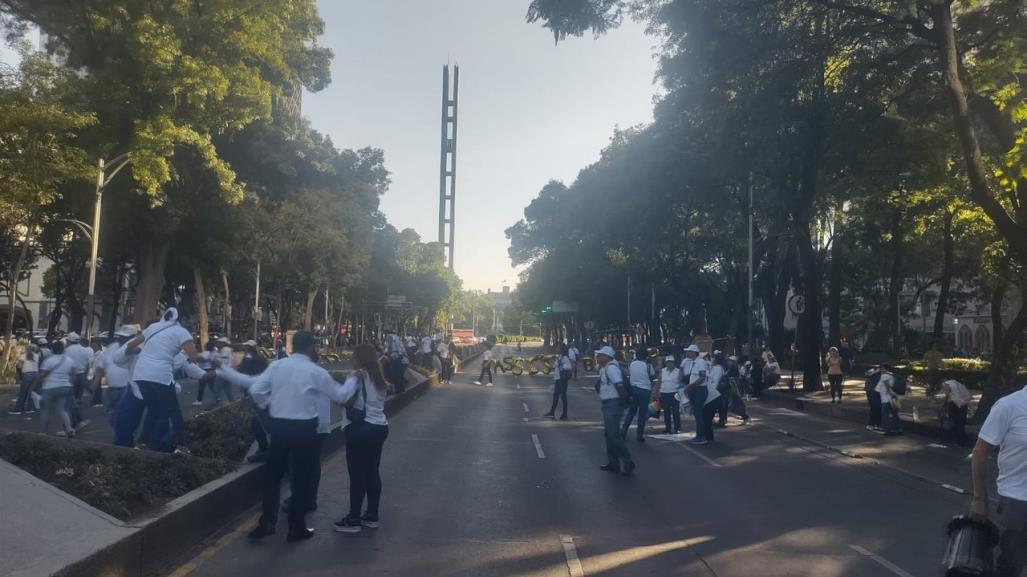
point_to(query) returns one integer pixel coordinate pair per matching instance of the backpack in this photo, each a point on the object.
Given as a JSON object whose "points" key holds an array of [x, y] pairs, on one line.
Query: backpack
{"points": [[871, 382], [898, 384]]}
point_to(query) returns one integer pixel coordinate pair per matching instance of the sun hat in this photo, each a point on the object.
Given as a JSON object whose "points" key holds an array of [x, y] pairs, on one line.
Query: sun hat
{"points": [[126, 331], [73, 337], [250, 343]]}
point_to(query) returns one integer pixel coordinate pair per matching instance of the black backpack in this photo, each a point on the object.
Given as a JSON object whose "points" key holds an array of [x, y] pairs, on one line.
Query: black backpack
{"points": [[898, 384]]}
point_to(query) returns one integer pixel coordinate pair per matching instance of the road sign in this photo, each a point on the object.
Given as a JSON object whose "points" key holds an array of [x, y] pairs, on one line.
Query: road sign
{"points": [[564, 307], [797, 304]]}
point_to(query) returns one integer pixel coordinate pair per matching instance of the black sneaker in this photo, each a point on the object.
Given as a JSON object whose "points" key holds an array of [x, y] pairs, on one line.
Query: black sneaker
{"points": [[348, 524], [369, 522], [610, 468], [301, 535], [260, 532], [628, 469]]}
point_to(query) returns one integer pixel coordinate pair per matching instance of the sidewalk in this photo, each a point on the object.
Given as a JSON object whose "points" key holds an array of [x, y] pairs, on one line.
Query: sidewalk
{"points": [[919, 412]]}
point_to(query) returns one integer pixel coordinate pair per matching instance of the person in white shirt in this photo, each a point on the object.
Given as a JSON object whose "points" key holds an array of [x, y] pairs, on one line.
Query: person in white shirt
{"points": [[425, 351], [397, 359], [618, 458], [695, 388], [54, 380], [670, 384], [771, 371], [117, 376], [28, 364], [1005, 429], [292, 390], [94, 361], [561, 378], [365, 439], [574, 354], [486, 367], [80, 357], [641, 374], [889, 410], [713, 381], [154, 371], [222, 356], [447, 368]]}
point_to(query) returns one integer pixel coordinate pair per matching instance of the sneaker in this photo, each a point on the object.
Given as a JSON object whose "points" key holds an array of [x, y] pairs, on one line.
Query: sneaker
{"points": [[61, 434], [369, 522], [29, 412], [260, 532], [302, 535], [197, 403], [628, 469], [183, 450], [610, 468], [699, 441], [490, 385], [83, 424], [13, 412], [348, 524], [563, 417], [870, 427], [477, 383], [550, 415], [747, 421]]}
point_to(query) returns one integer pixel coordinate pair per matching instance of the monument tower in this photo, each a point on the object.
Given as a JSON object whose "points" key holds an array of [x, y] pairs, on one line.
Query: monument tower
{"points": [[447, 162]]}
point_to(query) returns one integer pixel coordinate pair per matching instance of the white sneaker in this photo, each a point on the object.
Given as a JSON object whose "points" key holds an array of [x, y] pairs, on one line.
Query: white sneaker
{"points": [[61, 434], [83, 424], [477, 382], [490, 385]]}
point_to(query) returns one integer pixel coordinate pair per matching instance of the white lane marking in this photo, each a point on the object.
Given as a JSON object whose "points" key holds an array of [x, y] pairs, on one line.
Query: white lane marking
{"points": [[538, 446], [524, 419], [525, 405], [955, 489], [708, 460], [569, 551], [881, 561]]}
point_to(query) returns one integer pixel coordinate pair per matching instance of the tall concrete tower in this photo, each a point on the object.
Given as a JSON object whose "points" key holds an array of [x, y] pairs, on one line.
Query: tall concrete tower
{"points": [[447, 162]]}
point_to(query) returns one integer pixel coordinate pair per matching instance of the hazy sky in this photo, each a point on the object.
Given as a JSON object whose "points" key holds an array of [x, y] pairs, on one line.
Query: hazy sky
{"points": [[530, 111]]}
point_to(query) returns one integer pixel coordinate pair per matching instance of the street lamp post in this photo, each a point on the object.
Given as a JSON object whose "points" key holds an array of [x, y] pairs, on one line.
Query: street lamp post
{"points": [[102, 180]]}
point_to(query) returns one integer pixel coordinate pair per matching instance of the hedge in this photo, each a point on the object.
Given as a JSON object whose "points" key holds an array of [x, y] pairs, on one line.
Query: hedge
{"points": [[223, 433], [122, 484]]}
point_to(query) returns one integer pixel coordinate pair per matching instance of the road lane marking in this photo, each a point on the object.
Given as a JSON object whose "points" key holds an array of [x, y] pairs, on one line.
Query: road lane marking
{"points": [[708, 460], [538, 446], [881, 561], [569, 551], [955, 489], [525, 405]]}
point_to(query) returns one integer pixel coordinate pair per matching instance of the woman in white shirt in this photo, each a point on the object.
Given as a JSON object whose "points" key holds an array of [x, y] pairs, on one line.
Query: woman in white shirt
{"points": [[561, 377], [365, 438], [670, 384], [641, 375], [713, 401], [890, 413], [54, 378], [28, 364]]}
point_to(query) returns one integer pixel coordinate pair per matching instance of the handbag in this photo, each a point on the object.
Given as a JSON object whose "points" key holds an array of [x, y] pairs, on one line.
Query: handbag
{"points": [[354, 414]]}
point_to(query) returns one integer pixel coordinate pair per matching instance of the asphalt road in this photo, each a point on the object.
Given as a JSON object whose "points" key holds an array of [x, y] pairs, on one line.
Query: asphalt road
{"points": [[477, 483]]}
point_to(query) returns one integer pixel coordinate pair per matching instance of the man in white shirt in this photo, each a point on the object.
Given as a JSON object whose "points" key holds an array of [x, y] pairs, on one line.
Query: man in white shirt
{"points": [[80, 357], [224, 356], [293, 390], [610, 379], [94, 361], [117, 376], [574, 354], [670, 384], [889, 412], [1005, 429], [641, 375], [425, 351], [486, 367], [694, 369]]}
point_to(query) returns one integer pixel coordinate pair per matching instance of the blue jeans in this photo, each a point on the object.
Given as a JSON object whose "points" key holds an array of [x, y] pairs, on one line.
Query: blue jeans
{"points": [[616, 449], [697, 396], [219, 388], [640, 407], [671, 411], [24, 403], [112, 399]]}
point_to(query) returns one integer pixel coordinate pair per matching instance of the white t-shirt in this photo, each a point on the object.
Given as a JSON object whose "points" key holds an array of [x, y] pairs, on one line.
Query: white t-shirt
{"points": [[713, 379], [641, 374], [443, 350], [156, 357], [117, 375], [486, 356], [28, 366], [573, 354], [1006, 428], [426, 345], [884, 387], [562, 364], [80, 356], [698, 366], [670, 380], [371, 400], [59, 369], [609, 377], [773, 368]]}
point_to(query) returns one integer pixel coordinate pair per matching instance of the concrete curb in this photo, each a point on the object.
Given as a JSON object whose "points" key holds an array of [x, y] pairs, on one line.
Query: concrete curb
{"points": [[190, 519]]}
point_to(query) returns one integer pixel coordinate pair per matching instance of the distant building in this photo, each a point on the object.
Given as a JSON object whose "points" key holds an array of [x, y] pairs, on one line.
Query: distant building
{"points": [[501, 301]]}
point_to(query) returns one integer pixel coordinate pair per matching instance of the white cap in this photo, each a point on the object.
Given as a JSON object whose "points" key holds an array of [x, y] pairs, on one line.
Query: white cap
{"points": [[607, 352], [41, 341], [72, 337], [250, 343], [692, 349], [126, 331], [224, 340]]}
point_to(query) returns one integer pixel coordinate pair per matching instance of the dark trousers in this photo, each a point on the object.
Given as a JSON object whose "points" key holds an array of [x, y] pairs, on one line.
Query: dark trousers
{"points": [[733, 403], [671, 412], [364, 444], [639, 409], [1012, 554], [560, 393], [315, 479], [78, 386], [893, 422], [486, 369], [954, 430], [259, 424], [161, 403], [697, 397], [617, 453], [126, 418], [874, 399], [23, 403], [97, 395], [836, 385], [201, 386], [447, 368], [395, 371], [292, 442], [708, 413]]}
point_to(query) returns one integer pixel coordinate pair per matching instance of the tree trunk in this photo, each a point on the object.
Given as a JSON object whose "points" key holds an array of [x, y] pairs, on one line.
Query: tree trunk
{"points": [[227, 324], [12, 294], [810, 332], [834, 292], [308, 314], [895, 284], [948, 263], [201, 307], [152, 262], [1002, 376]]}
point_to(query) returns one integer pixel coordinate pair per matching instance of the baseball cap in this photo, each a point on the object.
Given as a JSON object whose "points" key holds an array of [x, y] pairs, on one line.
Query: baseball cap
{"points": [[607, 352]]}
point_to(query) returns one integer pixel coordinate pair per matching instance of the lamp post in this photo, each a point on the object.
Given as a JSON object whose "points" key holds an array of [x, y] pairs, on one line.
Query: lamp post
{"points": [[103, 178]]}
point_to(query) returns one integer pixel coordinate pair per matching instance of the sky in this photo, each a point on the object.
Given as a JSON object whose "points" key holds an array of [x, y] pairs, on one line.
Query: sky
{"points": [[530, 111]]}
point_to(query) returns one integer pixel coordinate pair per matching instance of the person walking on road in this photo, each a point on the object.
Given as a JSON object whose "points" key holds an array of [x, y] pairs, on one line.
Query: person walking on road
{"points": [[94, 362], [292, 389], [889, 401], [670, 385], [54, 380], [486, 367], [365, 438], [694, 369], [618, 458], [1005, 429], [714, 382], [253, 364], [446, 359], [116, 375], [641, 376], [954, 411], [207, 362], [574, 354], [771, 371], [561, 378], [222, 358], [835, 374], [28, 366], [873, 376], [731, 390], [80, 357]]}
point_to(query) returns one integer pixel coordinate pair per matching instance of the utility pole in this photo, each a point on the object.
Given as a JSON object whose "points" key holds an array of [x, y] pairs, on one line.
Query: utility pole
{"points": [[447, 162], [256, 307], [752, 343]]}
